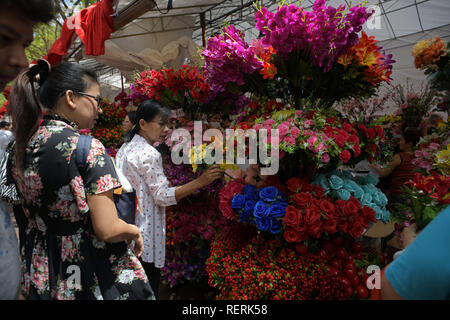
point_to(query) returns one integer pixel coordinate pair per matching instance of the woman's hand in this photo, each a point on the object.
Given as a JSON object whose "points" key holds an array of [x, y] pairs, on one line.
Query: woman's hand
{"points": [[138, 247], [408, 235], [213, 173], [253, 176]]}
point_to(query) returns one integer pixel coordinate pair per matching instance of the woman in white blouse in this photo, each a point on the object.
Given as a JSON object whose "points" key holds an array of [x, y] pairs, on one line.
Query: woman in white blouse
{"points": [[141, 164]]}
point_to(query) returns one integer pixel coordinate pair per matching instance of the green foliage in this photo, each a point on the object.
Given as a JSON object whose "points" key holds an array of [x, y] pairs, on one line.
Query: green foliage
{"points": [[44, 37]]}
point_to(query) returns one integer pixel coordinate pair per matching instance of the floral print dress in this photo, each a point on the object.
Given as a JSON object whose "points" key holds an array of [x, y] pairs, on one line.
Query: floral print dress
{"points": [[61, 256]]}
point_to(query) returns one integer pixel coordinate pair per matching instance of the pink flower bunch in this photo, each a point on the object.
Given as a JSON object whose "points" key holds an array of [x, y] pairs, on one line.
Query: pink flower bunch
{"points": [[426, 154], [228, 57], [323, 34], [323, 138]]}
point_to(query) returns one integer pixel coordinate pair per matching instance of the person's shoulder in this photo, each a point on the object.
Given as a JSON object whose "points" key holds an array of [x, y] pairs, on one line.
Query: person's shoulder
{"points": [[149, 153]]}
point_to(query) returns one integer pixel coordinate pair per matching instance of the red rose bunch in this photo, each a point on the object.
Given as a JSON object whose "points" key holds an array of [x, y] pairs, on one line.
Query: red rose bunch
{"points": [[371, 138], [312, 214], [425, 197], [172, 86], [226, 195]]}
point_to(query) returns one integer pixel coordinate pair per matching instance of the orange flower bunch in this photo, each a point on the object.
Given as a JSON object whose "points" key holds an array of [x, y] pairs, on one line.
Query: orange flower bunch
{"points": [[428, 52], [269, 70], [367, 53], [108, 136]]}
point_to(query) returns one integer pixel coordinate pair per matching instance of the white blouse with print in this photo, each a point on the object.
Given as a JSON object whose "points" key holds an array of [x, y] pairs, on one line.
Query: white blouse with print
{"points": [[141, 164]]}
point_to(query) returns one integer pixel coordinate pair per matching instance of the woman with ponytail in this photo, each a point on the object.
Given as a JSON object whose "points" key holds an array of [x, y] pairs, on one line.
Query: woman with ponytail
{"points": [[141, 164], [74, 246]]}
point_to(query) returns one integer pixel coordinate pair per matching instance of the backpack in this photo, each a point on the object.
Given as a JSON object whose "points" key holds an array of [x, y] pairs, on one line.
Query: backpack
{"points": [[126, 202]]}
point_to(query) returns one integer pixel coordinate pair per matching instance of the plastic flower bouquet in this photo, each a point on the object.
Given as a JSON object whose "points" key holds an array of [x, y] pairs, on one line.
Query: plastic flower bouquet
{"points": [[301, 56], [185, 87], [426, 197]]}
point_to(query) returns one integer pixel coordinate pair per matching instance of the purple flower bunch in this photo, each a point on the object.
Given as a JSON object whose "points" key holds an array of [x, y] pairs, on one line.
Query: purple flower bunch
{"points": [[187, 264], [136, 96], [227, 58], [323, 34]]}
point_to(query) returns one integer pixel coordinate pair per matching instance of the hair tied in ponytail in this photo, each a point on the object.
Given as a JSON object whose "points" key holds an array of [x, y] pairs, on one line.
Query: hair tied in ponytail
{"points": [[40, 71]]}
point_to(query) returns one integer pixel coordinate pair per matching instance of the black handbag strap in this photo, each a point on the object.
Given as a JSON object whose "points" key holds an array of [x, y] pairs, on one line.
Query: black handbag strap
{"points": [[82, 150]]}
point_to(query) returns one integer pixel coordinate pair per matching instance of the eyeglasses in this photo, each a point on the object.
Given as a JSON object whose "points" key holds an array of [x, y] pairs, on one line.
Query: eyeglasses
{"points": [[161, 124], [98, 99]]}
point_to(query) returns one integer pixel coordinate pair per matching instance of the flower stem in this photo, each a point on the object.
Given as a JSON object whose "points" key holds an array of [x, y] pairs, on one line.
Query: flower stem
{"points": [[232, 177]]}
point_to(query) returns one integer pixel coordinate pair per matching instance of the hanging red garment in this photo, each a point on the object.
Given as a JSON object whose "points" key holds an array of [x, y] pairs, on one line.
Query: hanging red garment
{"points": [[93, 25], [4, 108]]}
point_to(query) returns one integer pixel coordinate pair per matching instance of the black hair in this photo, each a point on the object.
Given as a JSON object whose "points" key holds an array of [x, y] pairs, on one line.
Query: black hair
{"points": [[147, 110], [26, 103], [35, 10], [132, 116], [4, 124], [412, 134]]}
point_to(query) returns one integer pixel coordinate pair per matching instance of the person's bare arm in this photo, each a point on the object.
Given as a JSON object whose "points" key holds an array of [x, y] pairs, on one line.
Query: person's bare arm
{"points": [[107, 225], [387, 291]]}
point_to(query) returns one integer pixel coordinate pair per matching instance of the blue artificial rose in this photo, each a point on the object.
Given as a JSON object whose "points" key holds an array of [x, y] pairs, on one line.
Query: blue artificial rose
{"points": [[238, 201], [260, 210], [276, 210], [249, 206], [361, 180], [358, 193], [366, 199], [275, 226], [268, 194], [263, 224], [385, 216], [249, 189], [343, 194], [251, 197], [245, 216], [335, 182]]}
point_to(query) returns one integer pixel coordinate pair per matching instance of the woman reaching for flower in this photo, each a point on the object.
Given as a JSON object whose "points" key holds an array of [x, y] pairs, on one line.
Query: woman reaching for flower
{"points": [[141, 163], [401, 167]]}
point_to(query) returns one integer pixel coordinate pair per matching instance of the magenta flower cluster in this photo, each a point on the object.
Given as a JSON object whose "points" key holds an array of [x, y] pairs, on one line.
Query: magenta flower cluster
{"points": [[323, 34], [227, 58], [185, 265]]}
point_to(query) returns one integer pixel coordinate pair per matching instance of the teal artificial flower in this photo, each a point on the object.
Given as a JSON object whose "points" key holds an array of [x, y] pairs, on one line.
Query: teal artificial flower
{"points": [[366, 199], [371, 179], [322, 181], [358, 193], [385, 216], [335, 182], [343, 194]]}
